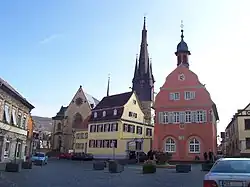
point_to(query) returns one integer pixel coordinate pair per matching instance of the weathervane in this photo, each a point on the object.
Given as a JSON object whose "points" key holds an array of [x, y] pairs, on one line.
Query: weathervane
{"points": [[182, 25]]}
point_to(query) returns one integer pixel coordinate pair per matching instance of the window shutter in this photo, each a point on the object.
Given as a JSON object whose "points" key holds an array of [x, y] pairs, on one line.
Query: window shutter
{"points": [[193, 116], [171, 96], [160, 117], [192, 95], [204, 116], [182, 117]]}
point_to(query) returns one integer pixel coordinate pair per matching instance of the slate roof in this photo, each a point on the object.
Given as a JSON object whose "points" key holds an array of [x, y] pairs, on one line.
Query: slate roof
{"points": [[83, 125], [109, 104], [91, 99], [10, 90], [60, 114], [118, 100]]}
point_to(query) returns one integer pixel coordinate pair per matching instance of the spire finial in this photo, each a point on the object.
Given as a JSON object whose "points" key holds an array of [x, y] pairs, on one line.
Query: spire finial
{"points": [[182, 26], [108, 84], [144, 21]]}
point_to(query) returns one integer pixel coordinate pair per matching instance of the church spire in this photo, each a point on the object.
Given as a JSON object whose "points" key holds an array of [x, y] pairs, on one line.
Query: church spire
{"points": [[182, 52]]}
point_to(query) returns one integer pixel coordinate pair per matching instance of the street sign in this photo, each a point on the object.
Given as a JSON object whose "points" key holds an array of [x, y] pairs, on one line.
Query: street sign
{"points": [[112, 144]]}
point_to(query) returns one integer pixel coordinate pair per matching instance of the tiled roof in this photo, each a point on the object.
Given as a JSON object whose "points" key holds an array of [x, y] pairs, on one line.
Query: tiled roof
{"points": [[83, 125], [109, 115], [118, 100], [61, 113], [14, 93]]}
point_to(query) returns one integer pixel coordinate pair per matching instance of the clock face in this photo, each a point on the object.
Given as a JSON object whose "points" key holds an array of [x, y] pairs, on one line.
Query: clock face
{"points": [[181, 77], [79, 101]]}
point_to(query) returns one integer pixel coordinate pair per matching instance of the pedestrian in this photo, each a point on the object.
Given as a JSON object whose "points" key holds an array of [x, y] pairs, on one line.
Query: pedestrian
{"points": [[205, 156], [150, 155], [210, 155]]}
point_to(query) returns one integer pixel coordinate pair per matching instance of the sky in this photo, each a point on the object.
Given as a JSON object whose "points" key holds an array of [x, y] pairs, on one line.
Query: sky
{"points": [[49, 48]]}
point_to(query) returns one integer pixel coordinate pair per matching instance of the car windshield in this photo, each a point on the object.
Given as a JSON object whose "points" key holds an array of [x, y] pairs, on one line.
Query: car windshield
{"points": [[39, 155], [231, 166]]}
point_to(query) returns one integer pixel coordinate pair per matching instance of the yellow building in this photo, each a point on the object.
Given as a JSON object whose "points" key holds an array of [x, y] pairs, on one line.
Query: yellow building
{"points": [[81, 137], [237, 138], [116, 126]]}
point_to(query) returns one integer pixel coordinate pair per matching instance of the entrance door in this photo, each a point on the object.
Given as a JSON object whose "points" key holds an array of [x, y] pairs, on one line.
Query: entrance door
{"points": [[1, 148]]}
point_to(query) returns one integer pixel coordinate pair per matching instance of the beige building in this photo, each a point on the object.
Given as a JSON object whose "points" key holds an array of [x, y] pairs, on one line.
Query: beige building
{"points": [[118, 126], [69, 117], [237, 140], [14, 114]]}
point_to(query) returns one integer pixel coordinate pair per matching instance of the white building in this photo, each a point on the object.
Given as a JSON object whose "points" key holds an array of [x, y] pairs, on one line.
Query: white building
{"points": [[14, 114]]}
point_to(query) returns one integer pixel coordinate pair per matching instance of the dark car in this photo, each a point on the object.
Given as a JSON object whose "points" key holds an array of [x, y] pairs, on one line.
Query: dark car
{"points": [[89, 156], [82, 156], [141, 156]]}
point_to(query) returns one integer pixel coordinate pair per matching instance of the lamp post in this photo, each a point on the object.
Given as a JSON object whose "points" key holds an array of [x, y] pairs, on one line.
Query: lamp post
{"points": [[113, 147]]}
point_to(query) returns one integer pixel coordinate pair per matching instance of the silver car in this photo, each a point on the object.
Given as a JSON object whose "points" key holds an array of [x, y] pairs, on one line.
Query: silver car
{"points": [[229, 172]]}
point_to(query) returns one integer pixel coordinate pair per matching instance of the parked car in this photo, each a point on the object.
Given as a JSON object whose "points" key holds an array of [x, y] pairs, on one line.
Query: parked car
{"points": [[228, 172], [65, 156], [40, 157], [82, 156], [141, 156]]}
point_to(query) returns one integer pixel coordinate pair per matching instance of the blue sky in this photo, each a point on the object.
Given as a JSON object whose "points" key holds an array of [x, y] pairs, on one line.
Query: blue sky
{"points": [[49, 48]]}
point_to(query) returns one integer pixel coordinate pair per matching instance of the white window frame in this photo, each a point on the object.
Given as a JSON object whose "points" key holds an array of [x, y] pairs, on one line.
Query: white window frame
{"points": [[189, 95], [165, 117], [201, 116], [176, 117], [19, 150], [193, 144], [7, 153], [24, 121], [115, 112], [104, 113], [174, 96], [188, 117], [14, 116], [170, 145], [7, 113], [95, 114]]}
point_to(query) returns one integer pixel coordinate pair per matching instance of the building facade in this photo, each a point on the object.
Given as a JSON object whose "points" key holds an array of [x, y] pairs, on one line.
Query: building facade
{"points": [[237, 132], [75, 113], [117, 126], [143, 80], [186, 122], [14, 114]]}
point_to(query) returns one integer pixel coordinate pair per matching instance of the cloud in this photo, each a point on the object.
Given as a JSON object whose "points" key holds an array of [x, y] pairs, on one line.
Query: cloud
{"points": [[50, 38]]}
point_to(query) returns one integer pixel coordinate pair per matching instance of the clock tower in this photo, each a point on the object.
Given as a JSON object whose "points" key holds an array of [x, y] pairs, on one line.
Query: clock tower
{"points": [[143, 81]]}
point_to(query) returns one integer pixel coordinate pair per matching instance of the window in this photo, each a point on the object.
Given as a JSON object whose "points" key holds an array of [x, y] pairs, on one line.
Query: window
{"points": [[174, 96], [59, 126], [134, 115], [176, 117], [103, 113], [106, 127], [125, 127], [189, 95], [134, 102], [114, 126], [138, 130], [7, 113], [149, 132], [7, 149], [95, 115], [130, 114], [19, 119], [115, 112], [188, 116], [86, 135], [194, 146], [99, 143], [24, 122], [131, 128], [247, 143], [201, 116], [165, 117], [99, 128], [247, 124], [14, 117], [92, 143], [93, 128], [113, 143], [170, 145], [106, 143]]}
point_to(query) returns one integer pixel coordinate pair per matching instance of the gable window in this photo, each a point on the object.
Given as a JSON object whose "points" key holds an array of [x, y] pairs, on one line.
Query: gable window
{"points": [[174, 96], [189, 95], [103, 113], [115, 112], [7, 113], [247, 124], [130, 114], [170, 145], [134, 102], [194, 146], [176, 117], [95, 115], [188, 116]]}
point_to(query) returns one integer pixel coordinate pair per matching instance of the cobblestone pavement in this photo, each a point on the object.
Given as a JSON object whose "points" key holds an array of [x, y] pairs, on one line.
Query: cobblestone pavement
{"points": [[63, 173]]}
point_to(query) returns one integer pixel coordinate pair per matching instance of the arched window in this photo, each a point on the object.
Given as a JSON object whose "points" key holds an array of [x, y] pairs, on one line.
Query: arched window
{"points": [[95, 115], [77, 119], [115, 112], [194, 146], [170, 145], [103, 113]]}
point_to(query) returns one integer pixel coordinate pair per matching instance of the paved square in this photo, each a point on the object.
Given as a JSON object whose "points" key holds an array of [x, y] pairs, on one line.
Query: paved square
{"points": [[63, 173]]}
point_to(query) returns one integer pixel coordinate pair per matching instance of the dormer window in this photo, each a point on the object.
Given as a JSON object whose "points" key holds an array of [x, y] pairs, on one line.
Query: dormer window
{"points": [[115, 112], [103, 113], [95, 115]]}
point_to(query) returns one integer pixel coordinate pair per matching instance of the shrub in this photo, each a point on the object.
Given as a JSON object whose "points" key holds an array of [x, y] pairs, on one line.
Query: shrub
{"points": [[148, 168]]}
